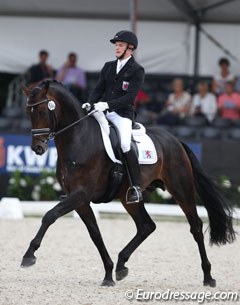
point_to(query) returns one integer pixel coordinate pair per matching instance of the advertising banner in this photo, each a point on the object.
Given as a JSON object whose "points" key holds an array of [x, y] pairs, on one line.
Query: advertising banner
{"points": [[16, 154]]}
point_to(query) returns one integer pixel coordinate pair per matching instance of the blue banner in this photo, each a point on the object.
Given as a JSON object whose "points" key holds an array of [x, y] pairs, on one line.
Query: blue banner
{"points": [[196, 147], [16, 154]]}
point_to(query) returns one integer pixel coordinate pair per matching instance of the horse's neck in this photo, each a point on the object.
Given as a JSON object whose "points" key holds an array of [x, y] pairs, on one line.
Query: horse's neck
{"points": [[80, 143], [69, 113]]}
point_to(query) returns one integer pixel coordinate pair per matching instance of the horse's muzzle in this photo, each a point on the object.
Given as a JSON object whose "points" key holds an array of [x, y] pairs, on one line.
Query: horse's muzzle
{"points": [[39, 149]]}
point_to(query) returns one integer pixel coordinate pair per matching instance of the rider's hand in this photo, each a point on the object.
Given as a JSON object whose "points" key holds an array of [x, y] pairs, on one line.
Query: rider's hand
{"points": [[101, 106], [86, 106]]}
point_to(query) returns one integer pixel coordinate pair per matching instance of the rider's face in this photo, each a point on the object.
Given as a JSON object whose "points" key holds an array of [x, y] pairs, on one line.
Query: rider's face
{"points": [[120, 47]]}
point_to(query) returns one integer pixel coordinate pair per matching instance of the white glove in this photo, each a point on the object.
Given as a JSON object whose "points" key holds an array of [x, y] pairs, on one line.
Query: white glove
{"points": [[86, 106], [101, 106]]}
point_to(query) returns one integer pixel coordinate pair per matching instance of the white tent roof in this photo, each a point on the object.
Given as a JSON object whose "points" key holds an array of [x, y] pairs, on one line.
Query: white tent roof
{"points": [[165, 10], [165, 29]]}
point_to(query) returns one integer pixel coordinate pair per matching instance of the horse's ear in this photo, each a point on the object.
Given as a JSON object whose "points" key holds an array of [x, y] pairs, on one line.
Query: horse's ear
{"points": [[26, 90], [44, 90]]}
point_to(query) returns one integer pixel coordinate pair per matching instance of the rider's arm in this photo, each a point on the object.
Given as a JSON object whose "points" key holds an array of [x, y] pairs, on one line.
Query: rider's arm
{"points": [[98, 91]]}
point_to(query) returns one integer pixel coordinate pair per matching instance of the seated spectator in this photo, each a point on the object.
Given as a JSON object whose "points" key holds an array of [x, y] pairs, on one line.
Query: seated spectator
{"points": [[204, 103], [141, 98], [222, 77], [73, 77], [229, 103], [40, 71], [145, 108], [177, 106], [237, 84]]}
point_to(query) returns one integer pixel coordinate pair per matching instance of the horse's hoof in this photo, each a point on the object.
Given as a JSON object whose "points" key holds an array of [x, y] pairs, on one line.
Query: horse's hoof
{"points": [[108, 283], [210, 283], [28, 261], [121, 274]]}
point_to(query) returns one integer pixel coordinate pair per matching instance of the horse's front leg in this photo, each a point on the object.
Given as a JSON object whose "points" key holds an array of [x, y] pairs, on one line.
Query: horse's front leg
{"points": [[64, 207], [88, 217]]}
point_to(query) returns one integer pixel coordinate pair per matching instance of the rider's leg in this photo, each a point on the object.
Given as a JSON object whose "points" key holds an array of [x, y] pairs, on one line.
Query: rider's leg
{"points": [[134, 192], [124, 126]]}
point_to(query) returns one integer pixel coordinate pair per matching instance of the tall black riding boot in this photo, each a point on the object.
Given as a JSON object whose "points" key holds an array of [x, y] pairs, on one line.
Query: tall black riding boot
{"points": [[134, 192]]}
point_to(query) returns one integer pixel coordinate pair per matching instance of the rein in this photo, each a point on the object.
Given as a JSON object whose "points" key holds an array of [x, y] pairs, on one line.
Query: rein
{"points": [[74, 123], [51, 131]]}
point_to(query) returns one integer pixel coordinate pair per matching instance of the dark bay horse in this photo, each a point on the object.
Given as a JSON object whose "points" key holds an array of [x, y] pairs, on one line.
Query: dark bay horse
{"points": [[83, 169]]}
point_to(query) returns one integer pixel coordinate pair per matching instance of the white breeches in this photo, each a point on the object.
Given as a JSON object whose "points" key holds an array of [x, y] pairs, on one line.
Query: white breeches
{"points": [[124, 126]]}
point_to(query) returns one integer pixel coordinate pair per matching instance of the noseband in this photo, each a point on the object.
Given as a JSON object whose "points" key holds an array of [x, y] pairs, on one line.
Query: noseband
{"points": [[53, 121]]}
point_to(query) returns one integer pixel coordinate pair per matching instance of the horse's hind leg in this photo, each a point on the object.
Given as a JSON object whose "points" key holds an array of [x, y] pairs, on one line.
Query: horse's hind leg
{"points": [[145, 226], [196, 230], [88, 217], [181, 187]]}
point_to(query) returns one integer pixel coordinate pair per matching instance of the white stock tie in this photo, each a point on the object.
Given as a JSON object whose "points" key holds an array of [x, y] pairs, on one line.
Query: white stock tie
{"points": [[119, 67]]}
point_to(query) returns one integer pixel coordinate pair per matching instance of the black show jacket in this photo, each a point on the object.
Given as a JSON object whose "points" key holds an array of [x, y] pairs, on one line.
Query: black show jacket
{"points": [[119, 90]]}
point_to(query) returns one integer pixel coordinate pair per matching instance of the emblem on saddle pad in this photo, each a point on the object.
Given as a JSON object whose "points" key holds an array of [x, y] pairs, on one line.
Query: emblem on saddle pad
{"points": [[147, 154], [51, 105]]}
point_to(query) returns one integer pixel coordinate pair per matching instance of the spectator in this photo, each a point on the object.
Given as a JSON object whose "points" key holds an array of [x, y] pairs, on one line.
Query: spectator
{"points": [[237, 84], [204, 103], [73, 77], [177, 106], [222, 77], [229, 103], [40, 71], [141, 98], [143, 106]]}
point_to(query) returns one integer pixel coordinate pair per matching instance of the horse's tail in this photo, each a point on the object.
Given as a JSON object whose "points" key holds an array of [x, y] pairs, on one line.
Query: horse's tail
{"points": [[219, 212]]}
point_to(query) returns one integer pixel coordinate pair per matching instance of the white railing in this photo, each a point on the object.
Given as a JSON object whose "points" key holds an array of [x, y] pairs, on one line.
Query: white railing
{"points": [[39, 208], [15, 96]]}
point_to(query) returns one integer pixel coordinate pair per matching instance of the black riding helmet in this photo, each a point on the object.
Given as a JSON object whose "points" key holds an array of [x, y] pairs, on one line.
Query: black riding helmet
{"points": [[126, 36]]}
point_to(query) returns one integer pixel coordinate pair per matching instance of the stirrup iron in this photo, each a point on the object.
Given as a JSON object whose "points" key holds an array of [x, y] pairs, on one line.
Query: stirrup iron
{"points": [[136, 195]]}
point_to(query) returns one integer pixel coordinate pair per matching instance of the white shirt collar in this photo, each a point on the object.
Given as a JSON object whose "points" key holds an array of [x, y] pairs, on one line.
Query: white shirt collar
{"points": [[122, 63]]}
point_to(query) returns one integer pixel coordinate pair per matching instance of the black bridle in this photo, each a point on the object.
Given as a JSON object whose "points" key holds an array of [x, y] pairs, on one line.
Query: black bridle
{"points": [[36, 132]]}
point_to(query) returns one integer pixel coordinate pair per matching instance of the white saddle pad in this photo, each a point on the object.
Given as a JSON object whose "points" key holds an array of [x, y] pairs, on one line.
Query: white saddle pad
{"points": [[146, 149]]}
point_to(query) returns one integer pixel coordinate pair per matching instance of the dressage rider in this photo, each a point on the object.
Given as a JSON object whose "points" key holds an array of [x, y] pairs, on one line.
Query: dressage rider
{"points": [[114, 95]]}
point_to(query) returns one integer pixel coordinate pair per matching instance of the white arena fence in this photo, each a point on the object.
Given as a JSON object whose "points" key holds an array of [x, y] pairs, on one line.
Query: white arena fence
{"points": [[13, 208]]}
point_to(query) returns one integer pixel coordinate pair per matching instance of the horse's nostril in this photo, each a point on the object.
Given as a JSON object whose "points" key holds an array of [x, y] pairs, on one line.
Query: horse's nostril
{"points": [[38, 150]]}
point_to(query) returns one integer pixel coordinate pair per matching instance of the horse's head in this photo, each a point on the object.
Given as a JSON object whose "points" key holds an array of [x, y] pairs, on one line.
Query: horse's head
{"points": [[41, 110]]}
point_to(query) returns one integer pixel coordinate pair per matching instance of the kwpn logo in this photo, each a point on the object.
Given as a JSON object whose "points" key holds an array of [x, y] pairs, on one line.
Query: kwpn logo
{"points": [[2, 152], [16, 154]]}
